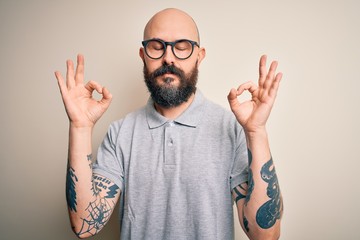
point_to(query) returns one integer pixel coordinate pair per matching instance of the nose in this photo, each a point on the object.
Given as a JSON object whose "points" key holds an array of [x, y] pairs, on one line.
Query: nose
{"points": [[169, 57]]}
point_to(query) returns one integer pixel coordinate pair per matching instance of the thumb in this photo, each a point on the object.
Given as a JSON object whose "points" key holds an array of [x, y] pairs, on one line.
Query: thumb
{"points": [[232, 98], [232, 94]]}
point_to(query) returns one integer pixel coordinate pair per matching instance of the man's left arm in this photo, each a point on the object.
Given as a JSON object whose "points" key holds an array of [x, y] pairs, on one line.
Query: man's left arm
{"points": [[259, 200]]}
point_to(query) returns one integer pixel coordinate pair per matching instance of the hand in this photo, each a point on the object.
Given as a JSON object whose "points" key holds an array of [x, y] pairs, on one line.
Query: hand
{"points": [[82, 109], [253, 114]]}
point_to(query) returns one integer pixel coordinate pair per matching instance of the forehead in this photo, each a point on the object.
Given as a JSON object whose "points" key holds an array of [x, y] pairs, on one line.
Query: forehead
{"points": [[170, 26]]}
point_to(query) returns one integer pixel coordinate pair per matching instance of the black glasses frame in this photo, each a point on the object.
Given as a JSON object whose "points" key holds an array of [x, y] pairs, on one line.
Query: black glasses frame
{"points": [[172, 44]]}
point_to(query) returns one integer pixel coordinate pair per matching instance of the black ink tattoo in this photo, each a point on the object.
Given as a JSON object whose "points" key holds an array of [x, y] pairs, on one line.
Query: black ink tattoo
{"points": [[251, 183], [239, 195], [99, 184], [102, 179], [270, 211], [246, 224], [99, 210], [70, 189], [94, 187], [89, 158], [99, 213], [113, 190]]}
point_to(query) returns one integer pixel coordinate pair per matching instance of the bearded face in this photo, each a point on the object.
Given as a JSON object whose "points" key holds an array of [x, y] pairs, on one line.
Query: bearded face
{"points": [[163, 89]]}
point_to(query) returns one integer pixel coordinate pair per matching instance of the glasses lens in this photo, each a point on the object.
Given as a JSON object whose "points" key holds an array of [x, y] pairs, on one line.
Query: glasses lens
{"points": [[183, 49], [155, 49]]}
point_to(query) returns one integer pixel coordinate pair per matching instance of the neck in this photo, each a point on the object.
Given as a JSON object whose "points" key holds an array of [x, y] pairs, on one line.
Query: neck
{"points": [[173, 112]]}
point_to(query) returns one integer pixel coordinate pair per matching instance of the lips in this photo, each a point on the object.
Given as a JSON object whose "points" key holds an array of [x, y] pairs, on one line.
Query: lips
{"points": [[169, 74], [167, 69]]}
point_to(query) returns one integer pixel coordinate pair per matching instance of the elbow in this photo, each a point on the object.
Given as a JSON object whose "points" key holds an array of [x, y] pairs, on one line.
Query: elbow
{"points": [[268, 234], [273, 236], [83, 236], [83, 228], [76, 226], [79, 234]]}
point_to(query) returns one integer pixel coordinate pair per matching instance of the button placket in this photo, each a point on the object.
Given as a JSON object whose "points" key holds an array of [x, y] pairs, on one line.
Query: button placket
{"points": [[169, 144]]}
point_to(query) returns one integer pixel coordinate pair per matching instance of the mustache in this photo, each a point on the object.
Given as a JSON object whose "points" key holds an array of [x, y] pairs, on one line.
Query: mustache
{"points": [[164, 69]]}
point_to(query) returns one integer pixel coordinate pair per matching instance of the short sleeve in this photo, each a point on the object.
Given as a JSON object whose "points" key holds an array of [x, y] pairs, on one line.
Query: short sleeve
{"points": [[240, 167], [109, 161]]}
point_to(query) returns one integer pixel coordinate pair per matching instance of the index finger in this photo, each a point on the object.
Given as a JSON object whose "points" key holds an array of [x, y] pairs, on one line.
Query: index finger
{"points": [[79, 75], [61, 82], [262, 70]]}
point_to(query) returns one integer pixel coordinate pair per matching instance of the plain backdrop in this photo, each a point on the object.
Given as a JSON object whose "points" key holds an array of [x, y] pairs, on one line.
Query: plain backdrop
{"points": [[313, 129]]}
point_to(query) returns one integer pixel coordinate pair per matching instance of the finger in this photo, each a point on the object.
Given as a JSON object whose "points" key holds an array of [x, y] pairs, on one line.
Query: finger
{"points": [[92, 85], [232, 94], [79, 77], [61, 83], [262, 70], [270, 76], [70, 82], [249, 86], [272, 70], [232, 98], [275, 86]]}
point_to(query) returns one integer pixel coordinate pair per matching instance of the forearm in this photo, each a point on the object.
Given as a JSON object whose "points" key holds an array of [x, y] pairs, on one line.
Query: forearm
{"points": [[263, 205], [91, 198], [89, 206], [79, 189]]}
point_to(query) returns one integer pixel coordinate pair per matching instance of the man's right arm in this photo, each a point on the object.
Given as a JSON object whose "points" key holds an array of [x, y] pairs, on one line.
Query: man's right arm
{"points": [[91, 198]]}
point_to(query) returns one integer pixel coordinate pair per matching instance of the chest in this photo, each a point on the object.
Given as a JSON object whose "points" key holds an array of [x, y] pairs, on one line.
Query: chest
{"points": [[177, 154]]}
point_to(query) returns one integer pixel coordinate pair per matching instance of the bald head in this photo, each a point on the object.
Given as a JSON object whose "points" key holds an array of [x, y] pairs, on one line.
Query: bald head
{"points": [[171, 24]]}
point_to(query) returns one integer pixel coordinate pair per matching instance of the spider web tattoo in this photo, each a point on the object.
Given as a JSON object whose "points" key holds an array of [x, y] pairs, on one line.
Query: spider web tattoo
{"points": [[99, 213]]}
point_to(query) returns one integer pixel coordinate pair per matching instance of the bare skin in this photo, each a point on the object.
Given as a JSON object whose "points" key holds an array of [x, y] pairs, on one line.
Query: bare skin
{"points": [[81, 108], [170, 25], [85, 192], [84, 111], [253, 115]]}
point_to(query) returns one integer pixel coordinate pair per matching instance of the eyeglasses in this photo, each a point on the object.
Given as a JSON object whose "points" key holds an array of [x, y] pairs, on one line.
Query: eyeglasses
{"points": [[182, 49]]}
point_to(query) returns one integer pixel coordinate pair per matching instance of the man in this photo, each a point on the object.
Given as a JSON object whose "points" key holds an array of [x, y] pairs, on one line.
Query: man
{"points": [[178, 164]]}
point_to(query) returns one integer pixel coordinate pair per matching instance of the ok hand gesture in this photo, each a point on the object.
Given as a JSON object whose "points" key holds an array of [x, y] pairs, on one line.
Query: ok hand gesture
{"points": [[253, 114], [82, 109]]}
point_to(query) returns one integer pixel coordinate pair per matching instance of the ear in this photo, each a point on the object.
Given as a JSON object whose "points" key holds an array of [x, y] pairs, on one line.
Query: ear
{"points": [[141, 53], [201, 55]]}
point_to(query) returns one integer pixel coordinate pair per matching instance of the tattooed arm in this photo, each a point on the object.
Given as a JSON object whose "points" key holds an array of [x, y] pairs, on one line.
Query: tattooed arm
{"points": [[90, 199], [258, 201]]}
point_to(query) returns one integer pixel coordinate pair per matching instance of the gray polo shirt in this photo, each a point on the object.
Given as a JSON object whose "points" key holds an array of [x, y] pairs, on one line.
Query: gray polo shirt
{"points": [[175, 176]]}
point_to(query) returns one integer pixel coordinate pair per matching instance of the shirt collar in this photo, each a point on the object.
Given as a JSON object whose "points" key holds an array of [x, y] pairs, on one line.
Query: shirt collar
{"points": [[190, 117]]}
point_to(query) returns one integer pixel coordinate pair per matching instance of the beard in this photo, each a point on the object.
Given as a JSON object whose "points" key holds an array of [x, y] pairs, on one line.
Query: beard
{"points": [[168, 95]]}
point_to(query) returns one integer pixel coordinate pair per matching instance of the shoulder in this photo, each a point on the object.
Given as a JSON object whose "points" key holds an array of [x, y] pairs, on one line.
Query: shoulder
{"points": [[220, 113], [127, 121], [219, 118]]}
